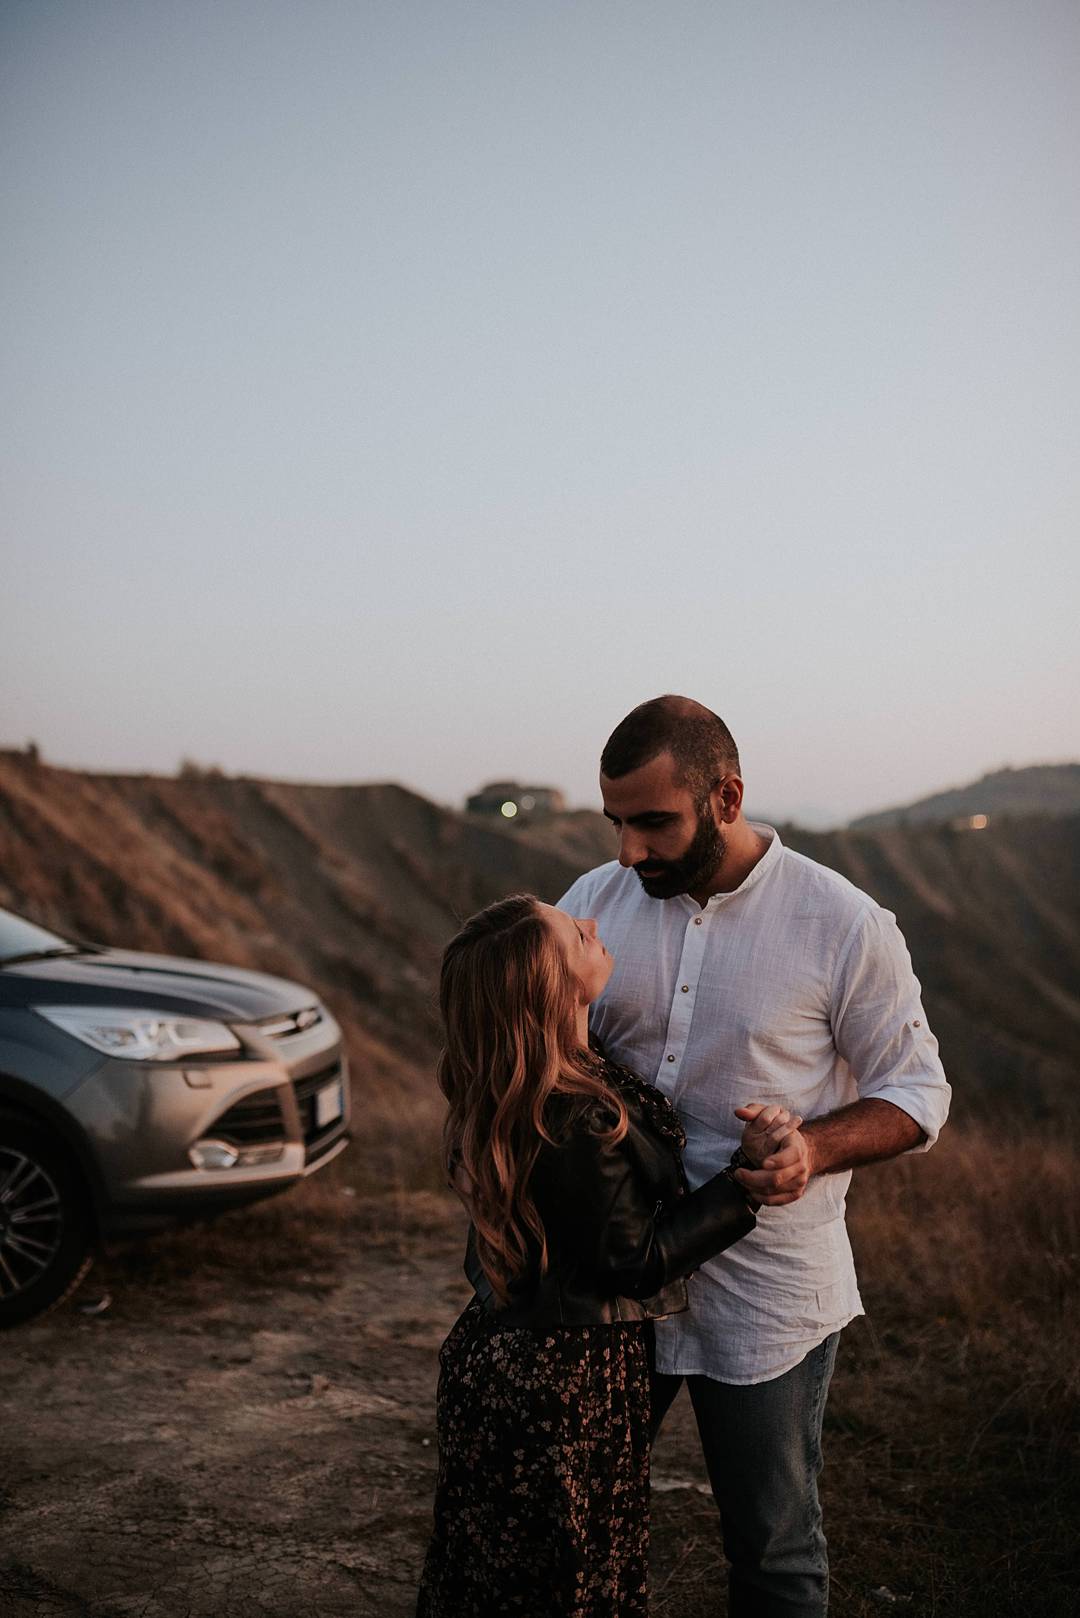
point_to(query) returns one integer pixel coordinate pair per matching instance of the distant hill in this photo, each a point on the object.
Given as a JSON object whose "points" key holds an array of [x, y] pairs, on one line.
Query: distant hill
{"points": [[355, 890], [1041, 789]]}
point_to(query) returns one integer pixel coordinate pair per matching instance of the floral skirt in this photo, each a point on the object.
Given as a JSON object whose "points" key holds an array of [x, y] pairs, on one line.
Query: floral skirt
{"points": [[542, 1500]]}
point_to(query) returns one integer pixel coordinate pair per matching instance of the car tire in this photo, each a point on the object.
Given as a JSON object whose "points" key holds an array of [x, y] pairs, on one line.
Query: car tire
{"points": [[45, 1225]]}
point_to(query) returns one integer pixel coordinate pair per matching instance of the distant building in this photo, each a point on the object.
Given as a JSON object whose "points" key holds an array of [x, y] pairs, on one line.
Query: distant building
{"points": [[512, 801], [30, 754]]}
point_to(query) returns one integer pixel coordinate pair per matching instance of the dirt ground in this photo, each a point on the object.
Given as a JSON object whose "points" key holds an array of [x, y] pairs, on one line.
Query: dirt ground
{"points": [[233, 1443], [246, 1430]]}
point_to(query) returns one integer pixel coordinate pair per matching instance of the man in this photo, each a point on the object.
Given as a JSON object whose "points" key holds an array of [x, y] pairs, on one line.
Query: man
{"points": [[747, 973]]}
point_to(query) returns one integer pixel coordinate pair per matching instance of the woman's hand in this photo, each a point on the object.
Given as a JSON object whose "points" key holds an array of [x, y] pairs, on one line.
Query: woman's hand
{"points": [[783, 1163], [765, 1127]]}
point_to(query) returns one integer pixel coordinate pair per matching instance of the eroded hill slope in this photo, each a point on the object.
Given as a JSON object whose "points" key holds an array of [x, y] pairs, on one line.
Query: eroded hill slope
{"points": [[355, 889]]}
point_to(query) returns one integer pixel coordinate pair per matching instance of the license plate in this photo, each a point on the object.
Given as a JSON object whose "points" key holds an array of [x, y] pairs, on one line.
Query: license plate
{"points": [[329, 1104]]}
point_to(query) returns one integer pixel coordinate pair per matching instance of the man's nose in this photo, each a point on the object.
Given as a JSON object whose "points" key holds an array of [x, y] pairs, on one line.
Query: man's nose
{"points": [[632, 848]]}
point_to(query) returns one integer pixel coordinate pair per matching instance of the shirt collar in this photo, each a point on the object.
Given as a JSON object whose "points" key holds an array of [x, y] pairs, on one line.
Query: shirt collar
{"points": [[768, 861]]}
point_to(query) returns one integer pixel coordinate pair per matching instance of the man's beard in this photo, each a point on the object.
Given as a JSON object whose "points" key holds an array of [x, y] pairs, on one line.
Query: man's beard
{"points": [[694, 869]]}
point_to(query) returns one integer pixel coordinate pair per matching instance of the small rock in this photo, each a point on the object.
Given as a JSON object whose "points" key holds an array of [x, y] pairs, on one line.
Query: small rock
{"points": [[95, 1306], [888, 1598], [319, 1384], [662, 1485]]}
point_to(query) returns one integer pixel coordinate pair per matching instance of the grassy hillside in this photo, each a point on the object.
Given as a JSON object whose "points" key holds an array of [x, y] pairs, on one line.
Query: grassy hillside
{"points": [[351, 890], [355, 890]]}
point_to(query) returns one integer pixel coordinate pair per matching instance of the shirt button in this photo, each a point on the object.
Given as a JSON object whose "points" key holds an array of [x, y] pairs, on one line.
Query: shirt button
{"points": [[697, 921], [686, 988], [916, 1023], [671, 1059]]}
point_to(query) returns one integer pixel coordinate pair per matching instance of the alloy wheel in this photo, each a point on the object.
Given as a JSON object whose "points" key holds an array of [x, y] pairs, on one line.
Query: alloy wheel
{"points": [[31, 1221]]}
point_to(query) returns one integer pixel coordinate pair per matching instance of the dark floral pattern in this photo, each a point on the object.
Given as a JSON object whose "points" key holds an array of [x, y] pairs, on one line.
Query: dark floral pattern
{"points": [[657, 1110], [541, 1505], [542, 1499]]}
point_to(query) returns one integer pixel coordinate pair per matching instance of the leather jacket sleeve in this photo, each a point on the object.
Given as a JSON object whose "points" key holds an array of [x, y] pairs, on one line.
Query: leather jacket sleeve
{"points": [[598, 1197], [700, 1225]]}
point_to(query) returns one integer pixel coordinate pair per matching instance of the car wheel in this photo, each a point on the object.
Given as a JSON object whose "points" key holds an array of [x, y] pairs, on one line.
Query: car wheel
{"points": [[44, 1223]]}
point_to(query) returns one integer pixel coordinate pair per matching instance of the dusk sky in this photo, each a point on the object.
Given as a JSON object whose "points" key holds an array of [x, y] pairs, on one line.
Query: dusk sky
{"points": [[404, 391]]}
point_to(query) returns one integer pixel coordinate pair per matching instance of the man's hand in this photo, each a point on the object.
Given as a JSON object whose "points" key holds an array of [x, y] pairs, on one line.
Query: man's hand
{"points": [[766, 1127], [785, 1172]]}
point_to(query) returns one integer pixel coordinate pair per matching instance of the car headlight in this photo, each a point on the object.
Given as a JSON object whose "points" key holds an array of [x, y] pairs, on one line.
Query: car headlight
{"points": [[142, 1036]]}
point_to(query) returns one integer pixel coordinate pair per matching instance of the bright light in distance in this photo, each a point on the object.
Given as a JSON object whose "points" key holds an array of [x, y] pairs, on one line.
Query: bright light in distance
{"points": [[977, 822], [509, 809]]}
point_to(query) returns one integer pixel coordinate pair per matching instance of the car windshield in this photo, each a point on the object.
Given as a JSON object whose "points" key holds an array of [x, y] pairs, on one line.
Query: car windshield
{"points": [[21, 937]]}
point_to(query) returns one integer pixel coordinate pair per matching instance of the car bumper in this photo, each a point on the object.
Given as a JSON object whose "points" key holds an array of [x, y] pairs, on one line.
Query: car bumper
{"points": [[284, 1107]]}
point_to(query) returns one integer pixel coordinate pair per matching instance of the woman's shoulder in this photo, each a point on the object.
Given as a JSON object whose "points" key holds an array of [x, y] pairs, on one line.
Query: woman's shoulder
{"points": [[650, 1105], [569, 1114]]}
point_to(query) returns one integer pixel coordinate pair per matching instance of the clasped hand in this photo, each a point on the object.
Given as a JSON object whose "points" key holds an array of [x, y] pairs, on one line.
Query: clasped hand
{"points": [[780, 1154]]}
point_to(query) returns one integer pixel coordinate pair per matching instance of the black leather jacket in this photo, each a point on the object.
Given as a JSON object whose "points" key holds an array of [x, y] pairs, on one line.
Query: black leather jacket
{"points": [[623, 1230]]}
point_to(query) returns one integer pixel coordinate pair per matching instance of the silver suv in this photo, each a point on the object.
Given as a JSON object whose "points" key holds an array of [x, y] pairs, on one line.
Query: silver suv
{"points": [[137, 1090]]}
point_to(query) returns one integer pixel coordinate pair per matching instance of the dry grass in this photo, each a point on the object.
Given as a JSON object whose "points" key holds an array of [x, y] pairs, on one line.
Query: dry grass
{"points": [[953, 1421], [302, 1240], [951, 1485]]}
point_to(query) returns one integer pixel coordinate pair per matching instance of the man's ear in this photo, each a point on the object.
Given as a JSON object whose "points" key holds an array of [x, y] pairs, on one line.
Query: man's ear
{"points": [[726, 797]]}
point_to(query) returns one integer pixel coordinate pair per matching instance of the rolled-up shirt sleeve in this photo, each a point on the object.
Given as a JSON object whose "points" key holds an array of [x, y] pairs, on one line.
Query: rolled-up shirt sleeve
{"points": [[880, 1028]]}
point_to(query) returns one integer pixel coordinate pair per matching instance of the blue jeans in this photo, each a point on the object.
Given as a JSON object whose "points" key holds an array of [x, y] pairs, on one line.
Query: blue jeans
{"points": [[762, 1447]]}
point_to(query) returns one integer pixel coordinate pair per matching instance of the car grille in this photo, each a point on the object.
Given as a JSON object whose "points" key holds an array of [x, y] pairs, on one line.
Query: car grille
{"points": [[298, 1022], [254, 1120], [306, 1090]]}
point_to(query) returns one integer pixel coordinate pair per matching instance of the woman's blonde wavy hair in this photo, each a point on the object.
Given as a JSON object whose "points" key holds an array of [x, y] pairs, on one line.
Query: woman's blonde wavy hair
{"points": [[508, 999]]}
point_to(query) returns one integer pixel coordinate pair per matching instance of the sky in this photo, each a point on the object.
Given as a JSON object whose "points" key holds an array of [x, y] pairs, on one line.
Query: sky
{"points": [[405, 391]]}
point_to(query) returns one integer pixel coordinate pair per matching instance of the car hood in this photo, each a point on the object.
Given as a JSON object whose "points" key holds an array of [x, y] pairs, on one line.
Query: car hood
{"points": [[128, 977]]}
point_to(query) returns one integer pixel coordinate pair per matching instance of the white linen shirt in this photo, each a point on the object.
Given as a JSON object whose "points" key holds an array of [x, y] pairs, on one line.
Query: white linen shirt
{"points": [[795, 988]]}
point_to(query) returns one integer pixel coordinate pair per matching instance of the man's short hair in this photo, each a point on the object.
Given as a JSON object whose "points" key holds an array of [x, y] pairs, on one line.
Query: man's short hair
{"points": [[697, 739]]}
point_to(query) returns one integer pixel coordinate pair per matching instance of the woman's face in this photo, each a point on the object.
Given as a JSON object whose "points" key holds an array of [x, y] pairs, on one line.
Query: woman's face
{"points": [[583, 950]]}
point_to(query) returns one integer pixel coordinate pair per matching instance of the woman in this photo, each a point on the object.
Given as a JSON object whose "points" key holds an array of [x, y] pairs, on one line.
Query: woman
{"points": [[582, 1231]]}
